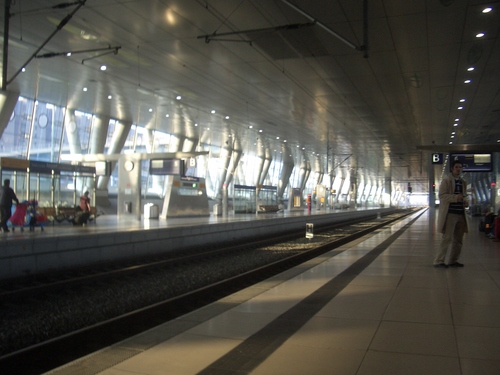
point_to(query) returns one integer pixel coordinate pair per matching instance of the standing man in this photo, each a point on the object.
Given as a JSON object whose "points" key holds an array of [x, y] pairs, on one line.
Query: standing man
{"points": [[85, 202], [452, 220], [7, 195]]}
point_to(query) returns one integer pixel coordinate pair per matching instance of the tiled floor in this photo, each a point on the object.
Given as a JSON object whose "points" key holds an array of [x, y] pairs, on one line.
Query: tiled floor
{"points": [[353, 313]]}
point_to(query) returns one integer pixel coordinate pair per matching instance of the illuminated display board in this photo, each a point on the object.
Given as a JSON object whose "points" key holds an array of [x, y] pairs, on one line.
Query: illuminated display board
{"points": [[166, 167], [473, 162]]}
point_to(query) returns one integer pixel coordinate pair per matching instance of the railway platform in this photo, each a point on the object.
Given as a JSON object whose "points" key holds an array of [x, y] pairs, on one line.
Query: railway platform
{"points": [[378, 307], [111, 238]]}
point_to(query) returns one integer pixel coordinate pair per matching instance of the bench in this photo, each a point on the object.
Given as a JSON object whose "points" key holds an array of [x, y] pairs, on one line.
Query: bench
{"points": [[269, 208], [60, 214]]}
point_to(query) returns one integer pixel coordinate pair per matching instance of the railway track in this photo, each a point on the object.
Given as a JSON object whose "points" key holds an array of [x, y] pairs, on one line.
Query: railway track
{"points": [[274, 256]]}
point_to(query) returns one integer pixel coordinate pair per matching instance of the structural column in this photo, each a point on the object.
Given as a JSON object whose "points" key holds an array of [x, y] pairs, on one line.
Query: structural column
{"points": [[8, 101]]}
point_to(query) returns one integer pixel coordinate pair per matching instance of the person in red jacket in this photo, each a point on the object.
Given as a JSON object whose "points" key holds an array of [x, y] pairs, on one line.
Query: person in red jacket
{"points": [[7, 195], [85, 202]]}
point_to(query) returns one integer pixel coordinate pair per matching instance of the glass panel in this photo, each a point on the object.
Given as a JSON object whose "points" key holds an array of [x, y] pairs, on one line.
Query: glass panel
{"points": [[47, 132], [14, 142]]}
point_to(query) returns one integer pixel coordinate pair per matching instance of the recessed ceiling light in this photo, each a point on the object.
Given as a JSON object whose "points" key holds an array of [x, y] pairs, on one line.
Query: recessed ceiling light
{"points": [[196, 124], [455, 124], [451, 143], [150, 110], [178, 97], [460, 107], [212, 111], [457, 119], [227, 117], [104, 67], [467, 81], [68, 54], [110, 97], [470, 69], [277, 137], [23, 70], [487, 10], [462, 100], [250, 126], [260, 130], [167, 115], [479, 35], [85, 89], [453, 133]]}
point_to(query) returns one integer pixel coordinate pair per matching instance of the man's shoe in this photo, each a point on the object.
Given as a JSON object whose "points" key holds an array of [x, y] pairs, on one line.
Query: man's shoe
{"points": [[441, 265], [456, 264]]}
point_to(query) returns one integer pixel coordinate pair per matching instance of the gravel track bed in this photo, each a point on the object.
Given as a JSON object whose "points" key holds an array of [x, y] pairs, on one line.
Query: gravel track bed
{"points": [[46, 316]]}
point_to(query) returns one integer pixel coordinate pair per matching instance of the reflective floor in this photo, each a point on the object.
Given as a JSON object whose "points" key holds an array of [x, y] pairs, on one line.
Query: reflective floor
{"points": [[379, 307]]}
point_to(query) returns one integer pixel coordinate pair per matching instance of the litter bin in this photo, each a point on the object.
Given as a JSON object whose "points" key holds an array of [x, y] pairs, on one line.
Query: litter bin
{"points": [[128, 207], [217, 210], [151, 211]]}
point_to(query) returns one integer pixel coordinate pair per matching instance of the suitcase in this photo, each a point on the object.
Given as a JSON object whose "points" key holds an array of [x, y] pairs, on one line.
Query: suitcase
{"points": [[496, 228], [489, 220]]}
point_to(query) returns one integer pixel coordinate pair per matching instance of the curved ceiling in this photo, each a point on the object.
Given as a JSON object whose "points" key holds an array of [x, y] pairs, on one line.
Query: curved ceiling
{"points": [[279, 74]]}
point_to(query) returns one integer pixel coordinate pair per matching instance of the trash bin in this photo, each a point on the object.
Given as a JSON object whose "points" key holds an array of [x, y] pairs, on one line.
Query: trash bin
{"points": [[217, 210], [151, 211], [128, 207]]}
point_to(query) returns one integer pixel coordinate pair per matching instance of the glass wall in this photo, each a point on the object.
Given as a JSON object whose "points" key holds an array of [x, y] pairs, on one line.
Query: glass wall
{"points": [[40, 131]]}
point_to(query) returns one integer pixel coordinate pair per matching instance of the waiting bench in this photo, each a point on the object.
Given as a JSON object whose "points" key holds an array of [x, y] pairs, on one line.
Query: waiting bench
{"points": [[60, 214]]}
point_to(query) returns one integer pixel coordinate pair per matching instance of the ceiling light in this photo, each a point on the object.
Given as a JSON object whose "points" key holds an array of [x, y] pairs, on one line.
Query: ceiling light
{"points": [[470, 69], [110, 97], [467, 81], [462, 100], [85, 89], [23, 70], [453, 133], [452, 136], [479, 35], [212, 111], [487, 10], [457, 119], [455, 124], [196, 124], [250, 126], [451, 143], [103, 67], [68, 54], [167, 115], [227, 117], [277, 137], [178, 97], [460, 107], [150, 109], [260, 130]]}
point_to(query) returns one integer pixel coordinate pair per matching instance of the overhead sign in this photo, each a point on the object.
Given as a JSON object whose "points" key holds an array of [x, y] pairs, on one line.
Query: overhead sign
{"points": [[437, 158], [166, 167], [473, 162]]}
